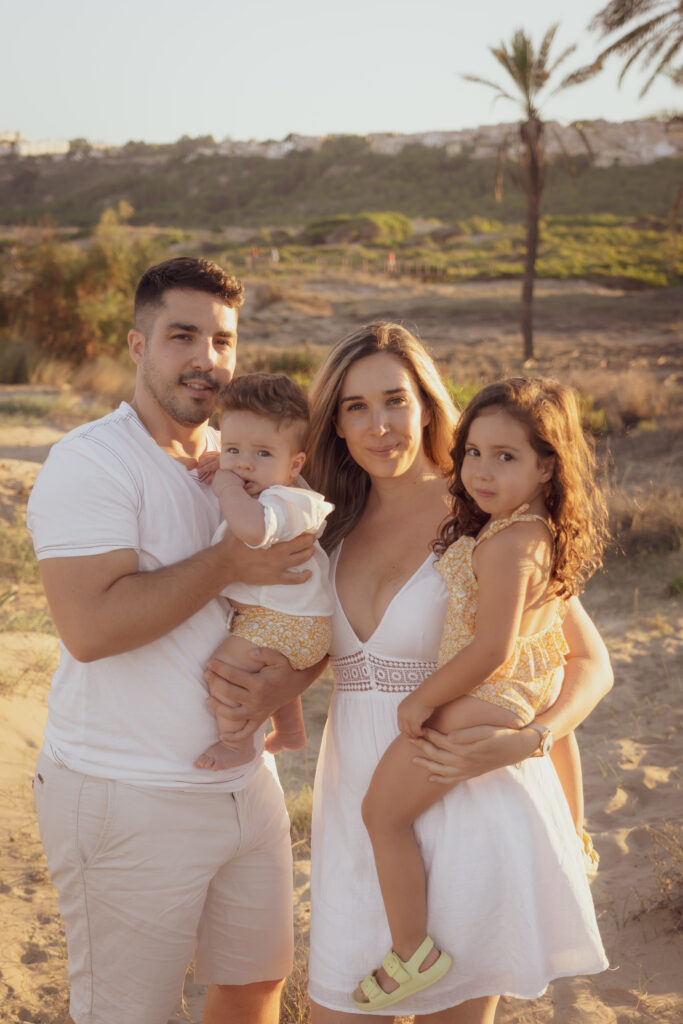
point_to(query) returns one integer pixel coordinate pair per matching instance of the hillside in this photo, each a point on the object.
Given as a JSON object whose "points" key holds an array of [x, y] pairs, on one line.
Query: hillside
{"points": [[449, 176]]}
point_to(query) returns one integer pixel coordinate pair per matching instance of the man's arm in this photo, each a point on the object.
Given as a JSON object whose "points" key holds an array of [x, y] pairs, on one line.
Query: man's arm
{"points": [[103, 605]]}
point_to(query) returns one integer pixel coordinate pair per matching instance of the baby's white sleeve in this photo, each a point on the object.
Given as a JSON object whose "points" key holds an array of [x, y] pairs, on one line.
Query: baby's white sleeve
{"points": [[290, 511]]}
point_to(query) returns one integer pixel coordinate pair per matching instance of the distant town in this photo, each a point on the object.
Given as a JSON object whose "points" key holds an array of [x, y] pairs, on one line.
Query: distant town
{"points": [[627, 143]]}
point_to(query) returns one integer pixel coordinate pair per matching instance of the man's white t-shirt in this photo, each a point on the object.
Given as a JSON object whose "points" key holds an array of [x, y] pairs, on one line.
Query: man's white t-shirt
{"points": [[141, 716]]}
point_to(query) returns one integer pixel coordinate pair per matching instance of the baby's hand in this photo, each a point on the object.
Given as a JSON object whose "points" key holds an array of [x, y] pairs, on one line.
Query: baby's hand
{"points": [[412, 714], [207, 465], [225, 480]]}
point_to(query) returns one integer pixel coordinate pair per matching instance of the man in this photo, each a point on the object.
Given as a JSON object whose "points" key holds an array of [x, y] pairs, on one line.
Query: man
{"points": [[153, 858]]}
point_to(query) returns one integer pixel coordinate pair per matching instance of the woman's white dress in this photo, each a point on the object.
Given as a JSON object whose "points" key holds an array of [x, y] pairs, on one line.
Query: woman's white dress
{"points": [[507, 892]]}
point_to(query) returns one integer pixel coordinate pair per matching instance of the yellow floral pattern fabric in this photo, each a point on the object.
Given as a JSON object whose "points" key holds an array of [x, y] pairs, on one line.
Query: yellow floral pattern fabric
{"points": [[523, 684], [303, 639]]}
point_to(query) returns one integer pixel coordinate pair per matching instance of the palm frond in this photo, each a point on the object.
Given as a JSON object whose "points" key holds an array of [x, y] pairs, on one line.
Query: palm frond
{"points": [[565, 152], [546, 43], [491, 85], [625, 43], [579, 76], [500, 167], [664, 62], [578, 128], [618, 12], [636, 54]]}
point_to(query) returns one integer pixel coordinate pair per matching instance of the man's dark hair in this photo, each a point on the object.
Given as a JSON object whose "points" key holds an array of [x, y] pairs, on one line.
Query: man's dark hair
{"points": [[188, 272]]}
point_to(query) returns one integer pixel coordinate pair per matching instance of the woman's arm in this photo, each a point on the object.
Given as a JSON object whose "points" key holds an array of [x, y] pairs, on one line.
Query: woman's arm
{"points": [[470, 752], [588, 674]]}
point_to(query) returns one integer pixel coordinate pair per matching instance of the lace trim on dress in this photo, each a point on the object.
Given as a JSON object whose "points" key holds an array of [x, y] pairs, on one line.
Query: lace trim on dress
{"points": [[361, 671]]}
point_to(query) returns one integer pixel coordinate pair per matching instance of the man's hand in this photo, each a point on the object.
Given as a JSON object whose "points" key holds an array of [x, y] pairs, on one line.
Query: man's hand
{"points": [[252, 697], [466, 753], [412, 714], [260, 567]]}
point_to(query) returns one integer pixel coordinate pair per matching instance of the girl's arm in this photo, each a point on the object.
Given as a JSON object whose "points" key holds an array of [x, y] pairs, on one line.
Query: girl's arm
{"points": [[506, 565], [244, 515], [470, 752]]}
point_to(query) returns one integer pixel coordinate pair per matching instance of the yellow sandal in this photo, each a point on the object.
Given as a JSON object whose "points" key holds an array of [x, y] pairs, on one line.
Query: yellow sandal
{"points": [[591, 857], [370, 996]]}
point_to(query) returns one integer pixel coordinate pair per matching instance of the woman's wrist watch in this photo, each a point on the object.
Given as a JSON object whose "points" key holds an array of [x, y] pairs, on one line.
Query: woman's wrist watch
{"points": [[545, 739]]}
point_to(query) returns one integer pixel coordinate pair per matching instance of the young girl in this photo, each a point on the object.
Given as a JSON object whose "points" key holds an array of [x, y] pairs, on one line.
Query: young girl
{"points": [[527, 530], [264, 424]]}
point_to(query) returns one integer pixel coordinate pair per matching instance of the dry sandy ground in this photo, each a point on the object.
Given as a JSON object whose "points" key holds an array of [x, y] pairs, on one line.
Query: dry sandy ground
{"points": [[631, 744]]}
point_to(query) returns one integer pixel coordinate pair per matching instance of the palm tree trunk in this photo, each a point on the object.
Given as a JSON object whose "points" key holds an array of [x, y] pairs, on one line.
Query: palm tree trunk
{"points": [[532, 137]]}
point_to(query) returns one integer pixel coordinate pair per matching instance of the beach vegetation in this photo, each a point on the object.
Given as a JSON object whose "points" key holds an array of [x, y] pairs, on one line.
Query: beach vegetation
{"points": [[675, 585], [18, 562]]}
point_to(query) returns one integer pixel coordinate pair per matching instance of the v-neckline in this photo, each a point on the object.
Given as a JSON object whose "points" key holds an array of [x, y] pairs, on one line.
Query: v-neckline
{"points": [[364, 643]]}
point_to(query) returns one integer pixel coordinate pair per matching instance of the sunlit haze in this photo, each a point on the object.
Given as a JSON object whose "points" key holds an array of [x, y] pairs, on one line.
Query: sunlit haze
{"points": [[261, 68]]}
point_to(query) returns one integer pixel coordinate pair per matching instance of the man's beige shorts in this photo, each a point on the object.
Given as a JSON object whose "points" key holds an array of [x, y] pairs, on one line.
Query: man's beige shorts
{"points": [[149, 877]]}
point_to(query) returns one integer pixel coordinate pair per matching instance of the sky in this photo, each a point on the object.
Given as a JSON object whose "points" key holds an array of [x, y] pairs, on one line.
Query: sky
{"points": [[261, 69]]}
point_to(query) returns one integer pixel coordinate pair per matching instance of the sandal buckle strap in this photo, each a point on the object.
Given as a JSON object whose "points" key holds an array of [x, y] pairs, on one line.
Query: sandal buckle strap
{"points": [[394, 967], [370, 988]]}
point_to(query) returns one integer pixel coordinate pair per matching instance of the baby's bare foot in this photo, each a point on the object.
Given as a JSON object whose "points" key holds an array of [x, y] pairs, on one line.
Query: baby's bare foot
{"points": [[278, 740], [218, 756]]}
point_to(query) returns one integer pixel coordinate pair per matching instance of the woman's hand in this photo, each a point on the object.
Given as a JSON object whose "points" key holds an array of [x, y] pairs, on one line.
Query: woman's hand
{"points": [[412, 714], [467, 753]]}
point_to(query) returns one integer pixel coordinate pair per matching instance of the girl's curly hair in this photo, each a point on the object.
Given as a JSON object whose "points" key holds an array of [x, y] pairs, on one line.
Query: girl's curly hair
{"points": [[575, 504]]}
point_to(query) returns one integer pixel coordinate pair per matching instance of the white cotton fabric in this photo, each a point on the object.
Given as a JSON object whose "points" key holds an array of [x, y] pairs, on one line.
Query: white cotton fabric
{"points": [[507, 892], [141, 716], [289, 512]]}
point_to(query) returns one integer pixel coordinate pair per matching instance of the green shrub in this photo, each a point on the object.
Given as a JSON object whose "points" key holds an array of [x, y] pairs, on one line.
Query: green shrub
{"points": [[675, 586]]}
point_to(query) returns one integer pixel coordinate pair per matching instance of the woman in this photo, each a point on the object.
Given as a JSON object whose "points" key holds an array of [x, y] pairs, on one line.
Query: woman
{"points": [[507, 894]]}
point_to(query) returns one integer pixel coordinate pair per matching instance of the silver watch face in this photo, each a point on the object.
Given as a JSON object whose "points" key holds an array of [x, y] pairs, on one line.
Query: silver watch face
{"points": [[547, 742]]}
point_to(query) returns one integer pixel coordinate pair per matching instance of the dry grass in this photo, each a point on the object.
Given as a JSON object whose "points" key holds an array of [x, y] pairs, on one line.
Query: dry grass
{"points": [[107, 378], [295, 1007], [18, 562], [646, 520], [667, 862], [300, 810], [628, 397]]}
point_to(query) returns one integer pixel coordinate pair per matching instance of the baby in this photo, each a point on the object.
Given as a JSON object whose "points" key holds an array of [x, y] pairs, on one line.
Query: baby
{"points": [[264, 424]]}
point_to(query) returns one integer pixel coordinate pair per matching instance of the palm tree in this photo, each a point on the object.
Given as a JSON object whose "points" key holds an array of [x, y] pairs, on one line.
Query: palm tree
{"points": [[657, 39], [530, 70]]}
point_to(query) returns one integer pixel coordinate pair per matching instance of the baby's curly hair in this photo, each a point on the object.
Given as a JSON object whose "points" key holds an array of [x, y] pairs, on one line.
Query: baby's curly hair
{"points": [[574, 501]]}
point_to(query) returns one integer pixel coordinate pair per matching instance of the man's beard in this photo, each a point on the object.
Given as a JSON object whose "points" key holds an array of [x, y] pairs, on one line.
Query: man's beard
{"points": [[184, 411]]}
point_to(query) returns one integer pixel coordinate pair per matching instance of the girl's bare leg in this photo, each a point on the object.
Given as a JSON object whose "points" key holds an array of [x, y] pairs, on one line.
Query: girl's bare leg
{"points": [[474, 1011], [567, 761], [398, 794], [234, 651], [323, 1015], [289, 731]]}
